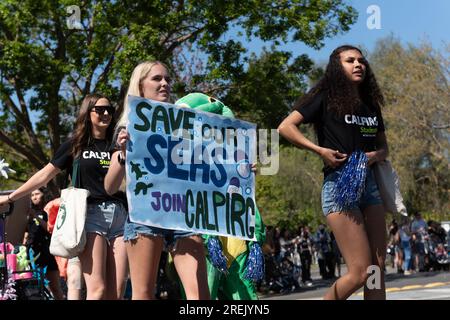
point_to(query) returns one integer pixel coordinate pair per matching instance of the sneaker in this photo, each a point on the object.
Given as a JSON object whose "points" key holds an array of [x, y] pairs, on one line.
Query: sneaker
{"points": [[407, 273], [308, 283]]}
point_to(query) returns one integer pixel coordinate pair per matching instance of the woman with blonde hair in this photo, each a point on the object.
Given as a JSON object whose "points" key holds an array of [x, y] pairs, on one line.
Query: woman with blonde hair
{"points": [[144, 243]]}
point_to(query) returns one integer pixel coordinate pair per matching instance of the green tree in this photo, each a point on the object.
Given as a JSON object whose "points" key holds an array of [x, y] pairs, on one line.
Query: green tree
{"points": [[263, 93], [292, 197], [266, 92], [415, 81], [47, 66]]}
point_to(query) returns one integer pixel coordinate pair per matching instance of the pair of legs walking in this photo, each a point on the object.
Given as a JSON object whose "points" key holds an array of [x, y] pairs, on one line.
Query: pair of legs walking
{"points": [[104, 267], [361, 237], [189, 259]]}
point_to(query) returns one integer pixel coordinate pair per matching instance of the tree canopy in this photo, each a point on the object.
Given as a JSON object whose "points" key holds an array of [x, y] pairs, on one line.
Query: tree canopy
{"points": [[47, 65], [415, 82]]}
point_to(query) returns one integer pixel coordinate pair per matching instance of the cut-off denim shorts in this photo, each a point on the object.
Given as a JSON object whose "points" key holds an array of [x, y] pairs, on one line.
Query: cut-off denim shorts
{"points": [[370, 196], [170, 237], [106, 219]]}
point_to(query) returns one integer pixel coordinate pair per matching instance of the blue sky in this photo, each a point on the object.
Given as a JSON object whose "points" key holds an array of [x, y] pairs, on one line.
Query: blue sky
{"points": [[408, 20]]}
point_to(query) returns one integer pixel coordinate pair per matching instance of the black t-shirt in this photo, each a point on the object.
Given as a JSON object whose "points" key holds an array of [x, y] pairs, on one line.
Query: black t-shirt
{"points": [[38, 237], [94, 164], [345, 133], [304, 244]]}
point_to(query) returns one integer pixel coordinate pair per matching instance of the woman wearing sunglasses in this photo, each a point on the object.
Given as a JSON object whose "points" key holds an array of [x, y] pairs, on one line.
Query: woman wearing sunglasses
{"points": [[104, 260]]}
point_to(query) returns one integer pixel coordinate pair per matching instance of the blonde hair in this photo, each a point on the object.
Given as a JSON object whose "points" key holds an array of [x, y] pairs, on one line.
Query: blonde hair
{"points": [[140, 72]]}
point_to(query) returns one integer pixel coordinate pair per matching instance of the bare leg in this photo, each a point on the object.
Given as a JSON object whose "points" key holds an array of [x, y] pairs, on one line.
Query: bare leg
{"points": [[93, 264], [338, 265], [376, 232], [351, 237], [400, 260], [116, 269], [74, 280], [55, 284], [416, 258], [143, 256], [190, 262]]}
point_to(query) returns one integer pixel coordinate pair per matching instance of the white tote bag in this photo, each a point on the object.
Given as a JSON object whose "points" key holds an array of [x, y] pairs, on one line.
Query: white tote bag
{"points": [[389, 187], [68, 238]]}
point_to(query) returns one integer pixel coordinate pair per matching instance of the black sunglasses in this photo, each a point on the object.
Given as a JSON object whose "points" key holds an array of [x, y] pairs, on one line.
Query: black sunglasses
{"points": [[100, 110]]}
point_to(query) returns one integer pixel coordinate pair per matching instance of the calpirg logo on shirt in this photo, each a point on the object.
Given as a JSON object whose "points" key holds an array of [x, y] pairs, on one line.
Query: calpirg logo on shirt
{"points": [[104, 158], [361, 121], [96, 155]]}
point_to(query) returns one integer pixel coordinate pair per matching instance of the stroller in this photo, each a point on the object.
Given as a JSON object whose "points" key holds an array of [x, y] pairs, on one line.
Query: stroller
{"points": [[28, 284], [272, 278], [442, 258], [288, 270]]}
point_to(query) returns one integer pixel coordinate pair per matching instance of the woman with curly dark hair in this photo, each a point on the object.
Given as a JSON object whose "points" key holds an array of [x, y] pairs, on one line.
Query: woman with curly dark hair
{"points": [[345, 108], [104, 259]]}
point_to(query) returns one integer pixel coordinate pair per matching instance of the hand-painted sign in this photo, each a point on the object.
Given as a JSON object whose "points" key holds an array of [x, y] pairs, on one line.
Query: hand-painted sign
{"points": [[190, 170]]}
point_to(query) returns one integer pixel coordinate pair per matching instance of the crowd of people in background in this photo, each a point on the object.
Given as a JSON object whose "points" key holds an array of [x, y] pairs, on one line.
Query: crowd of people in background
{"points": [[418, 245], [289, 256], [414, 245]]}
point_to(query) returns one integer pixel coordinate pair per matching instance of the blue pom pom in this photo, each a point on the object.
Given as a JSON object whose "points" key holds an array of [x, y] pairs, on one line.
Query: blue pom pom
{"points": [[32, 259], [350, 184], [216, 256], [44, 272], [254, 269]]}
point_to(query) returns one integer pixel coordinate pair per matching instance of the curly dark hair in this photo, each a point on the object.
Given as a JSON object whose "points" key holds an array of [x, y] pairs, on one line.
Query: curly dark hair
{"points": [[82, 135], [339, 92]]}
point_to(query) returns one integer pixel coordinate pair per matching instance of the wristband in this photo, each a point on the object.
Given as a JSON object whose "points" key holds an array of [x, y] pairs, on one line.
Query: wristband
{"points": [[121, 159]]}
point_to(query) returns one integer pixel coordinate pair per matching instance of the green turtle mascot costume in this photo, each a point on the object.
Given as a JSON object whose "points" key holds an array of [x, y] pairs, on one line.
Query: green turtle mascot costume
{"points": [[233, 264]]}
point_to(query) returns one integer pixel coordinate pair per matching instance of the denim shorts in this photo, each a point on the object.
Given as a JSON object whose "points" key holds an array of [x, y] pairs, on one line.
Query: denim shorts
{"points": [[370, 196], [133, 229], [106, 219]]}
